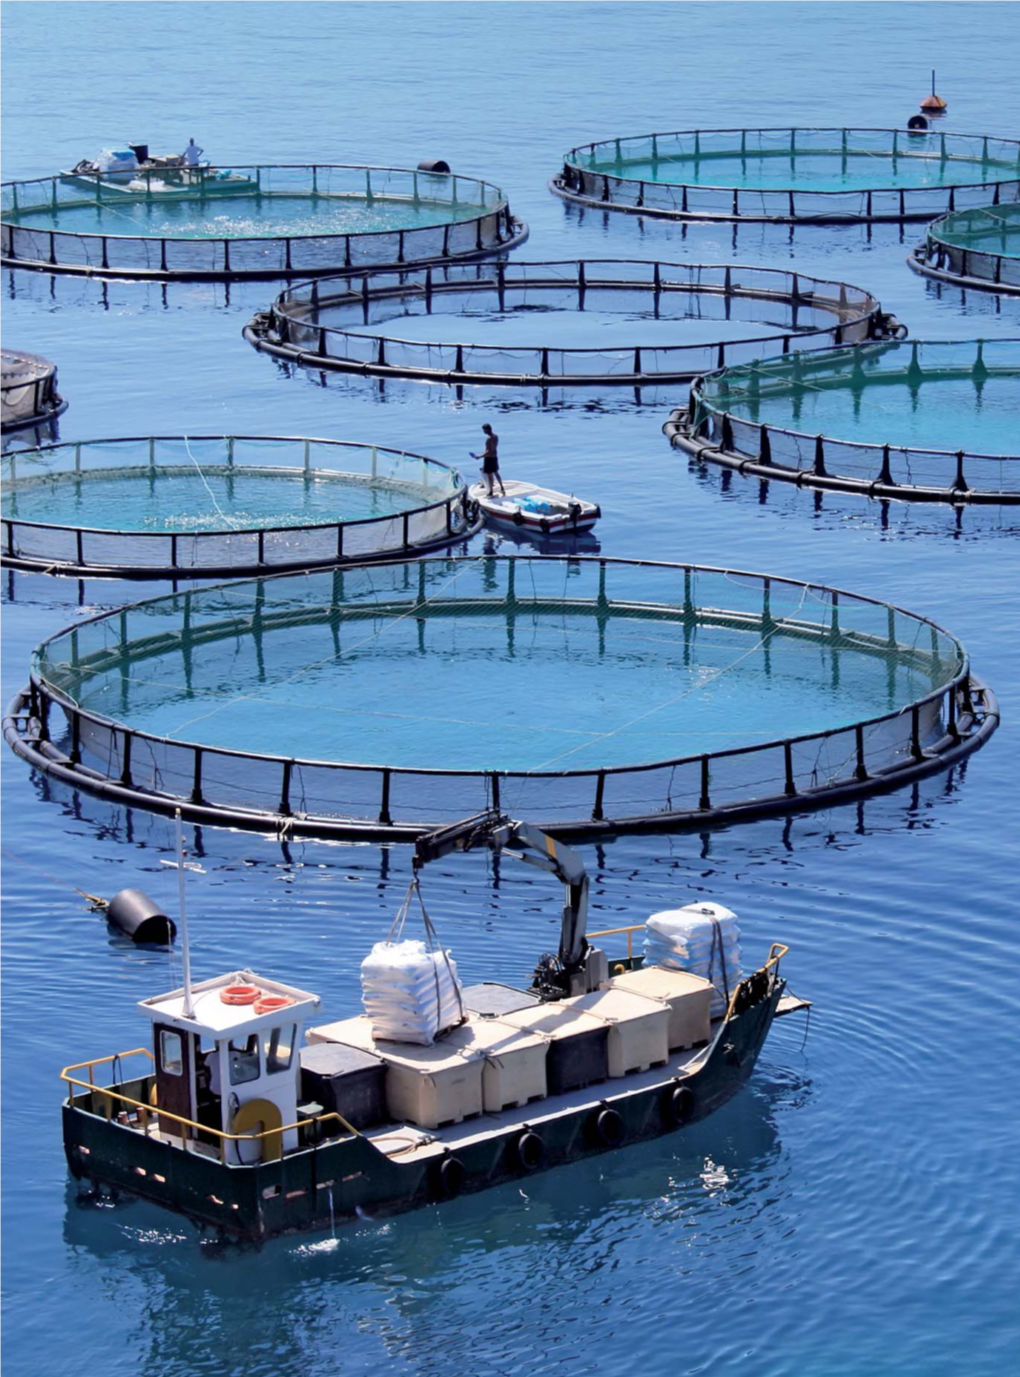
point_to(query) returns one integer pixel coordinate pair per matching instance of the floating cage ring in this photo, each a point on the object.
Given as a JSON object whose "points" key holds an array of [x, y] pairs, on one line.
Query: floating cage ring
{"points": [[790, 176], [265, 221], [28, 390], [755, 419], [634, 696], [369, 323], [214, 506], [974, 248]]}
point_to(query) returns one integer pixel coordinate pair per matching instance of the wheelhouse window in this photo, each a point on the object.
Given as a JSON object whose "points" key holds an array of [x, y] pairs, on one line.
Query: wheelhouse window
{"points": [[171, 1053], [279, 1048], [243, 1055]]}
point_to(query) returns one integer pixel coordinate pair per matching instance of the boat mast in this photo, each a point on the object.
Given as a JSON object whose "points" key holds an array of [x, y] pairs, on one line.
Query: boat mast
{"points": [[189, 1007]]}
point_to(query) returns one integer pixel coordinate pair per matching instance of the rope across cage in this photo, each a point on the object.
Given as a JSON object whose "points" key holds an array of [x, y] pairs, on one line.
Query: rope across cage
{"points": [[28, 390], [259, 221], [752, 419], [973, 248], [389, 324], [208, 506], [789, 176], [97, 690]]}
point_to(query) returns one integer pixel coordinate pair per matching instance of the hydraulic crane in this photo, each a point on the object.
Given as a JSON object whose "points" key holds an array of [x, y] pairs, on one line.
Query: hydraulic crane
{"points": [[578, 967]]}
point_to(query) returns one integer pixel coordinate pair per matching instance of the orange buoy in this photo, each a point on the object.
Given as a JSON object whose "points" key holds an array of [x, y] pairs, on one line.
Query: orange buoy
{"points": [[268, 1004], [933, 104], [240, 994]]}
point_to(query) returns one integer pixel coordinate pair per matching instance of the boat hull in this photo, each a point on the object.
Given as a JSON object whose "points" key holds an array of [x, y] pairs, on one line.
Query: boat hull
{"points": [[342, 1179]]}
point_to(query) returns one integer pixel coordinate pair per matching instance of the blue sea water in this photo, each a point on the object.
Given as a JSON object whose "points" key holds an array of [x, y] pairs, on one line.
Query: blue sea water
{"points": [[854, 1211]]}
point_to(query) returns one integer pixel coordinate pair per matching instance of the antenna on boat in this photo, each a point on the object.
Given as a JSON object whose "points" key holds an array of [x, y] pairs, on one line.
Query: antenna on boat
{"points": [[189, 1007]]}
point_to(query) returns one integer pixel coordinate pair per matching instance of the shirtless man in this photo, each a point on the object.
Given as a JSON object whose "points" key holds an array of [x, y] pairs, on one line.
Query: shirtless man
{"points": [[490, 460]]}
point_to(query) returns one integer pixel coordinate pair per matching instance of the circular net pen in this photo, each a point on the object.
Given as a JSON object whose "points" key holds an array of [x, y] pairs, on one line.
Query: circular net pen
{"points": [[215, 506], [585, 694], [250, 222], [974, 248], [28, 390], [892, 406], [811, 176], [691, 318]]}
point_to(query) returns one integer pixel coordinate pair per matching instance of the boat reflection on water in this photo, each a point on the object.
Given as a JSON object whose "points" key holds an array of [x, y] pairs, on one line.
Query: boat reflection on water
{"points": [[505, 541]]}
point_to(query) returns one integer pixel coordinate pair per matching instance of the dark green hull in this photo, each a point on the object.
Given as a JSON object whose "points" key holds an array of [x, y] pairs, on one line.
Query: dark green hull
{"points": [[336, 1180]]}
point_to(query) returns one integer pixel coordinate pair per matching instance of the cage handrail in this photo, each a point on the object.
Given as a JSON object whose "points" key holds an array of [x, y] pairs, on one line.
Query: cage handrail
{"points": [[218, 534], [866, 305], [951, 685], [794, 129], [810, 436], [497, 208]]}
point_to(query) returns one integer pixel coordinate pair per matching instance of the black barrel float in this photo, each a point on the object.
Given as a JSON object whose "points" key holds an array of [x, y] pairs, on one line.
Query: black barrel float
{"points": [[433, 165], [137, 916], [530, 1150], [608, 1128]]}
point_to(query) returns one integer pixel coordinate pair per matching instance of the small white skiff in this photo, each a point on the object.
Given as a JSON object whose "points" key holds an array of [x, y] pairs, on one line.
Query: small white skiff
{"points": [[542, 511]]}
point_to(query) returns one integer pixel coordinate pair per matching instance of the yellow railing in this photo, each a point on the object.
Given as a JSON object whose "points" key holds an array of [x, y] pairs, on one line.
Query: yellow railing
{"points": [[110, 1095], [630, 931], [776, 953]]}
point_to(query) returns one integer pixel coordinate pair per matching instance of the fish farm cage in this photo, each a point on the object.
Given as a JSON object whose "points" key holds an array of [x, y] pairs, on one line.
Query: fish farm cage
{"points": [[250, 222], [766, 419], [205, 506], [974, 248], [28, 390], [369, 323], [808, 176], [359, 702]]}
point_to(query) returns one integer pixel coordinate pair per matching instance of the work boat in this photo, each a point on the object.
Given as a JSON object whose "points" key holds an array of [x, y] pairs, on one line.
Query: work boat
{"points": [[540, 511], [134, 172], [231, 1122]]}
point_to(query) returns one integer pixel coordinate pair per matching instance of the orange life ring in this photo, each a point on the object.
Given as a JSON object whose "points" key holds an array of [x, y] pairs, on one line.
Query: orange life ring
{"points": [[268, 1004], [240, 994]]}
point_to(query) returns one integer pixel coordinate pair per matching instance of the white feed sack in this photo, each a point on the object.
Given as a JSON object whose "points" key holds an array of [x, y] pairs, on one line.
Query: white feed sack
{"points": [[698, 938], [410, 993]]}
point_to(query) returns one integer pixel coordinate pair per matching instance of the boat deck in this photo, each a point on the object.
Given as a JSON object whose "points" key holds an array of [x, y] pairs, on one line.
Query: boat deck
{"points": [[406, 1143]]}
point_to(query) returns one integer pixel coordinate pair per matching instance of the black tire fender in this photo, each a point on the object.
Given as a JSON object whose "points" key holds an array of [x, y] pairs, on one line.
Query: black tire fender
{"points": [[530, 1150], [607, 1128], [518, 517], [678, 1104], [451, 1177]]}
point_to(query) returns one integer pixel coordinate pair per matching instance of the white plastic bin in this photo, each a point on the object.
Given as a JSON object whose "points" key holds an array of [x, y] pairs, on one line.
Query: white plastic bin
{"points": [[689, 998], [427, 1086], [513, 1070], [638, 1028]]}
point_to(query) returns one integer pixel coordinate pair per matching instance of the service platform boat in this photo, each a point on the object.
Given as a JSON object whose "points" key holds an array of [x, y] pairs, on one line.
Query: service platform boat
{"points": [[539, 511], [134, 172], [230, 1122]]}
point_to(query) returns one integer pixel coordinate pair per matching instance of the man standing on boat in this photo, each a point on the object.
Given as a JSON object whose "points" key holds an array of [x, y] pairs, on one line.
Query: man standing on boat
{"points": [[490, 460], [191, 155]]}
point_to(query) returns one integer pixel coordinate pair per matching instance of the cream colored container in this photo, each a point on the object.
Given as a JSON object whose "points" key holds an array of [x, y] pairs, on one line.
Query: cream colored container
{"points": [[427, 1086], [689, 998], [576, 1049], [638, 1028], [513, 1070]]}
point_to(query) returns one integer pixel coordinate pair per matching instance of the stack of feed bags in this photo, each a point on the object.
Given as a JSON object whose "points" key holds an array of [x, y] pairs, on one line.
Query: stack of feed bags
{"points": [[701, 938], [410, 993]]}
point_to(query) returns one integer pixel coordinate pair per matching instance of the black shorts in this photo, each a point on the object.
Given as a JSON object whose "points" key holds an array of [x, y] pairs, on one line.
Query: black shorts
{"points": [[491, 466]]}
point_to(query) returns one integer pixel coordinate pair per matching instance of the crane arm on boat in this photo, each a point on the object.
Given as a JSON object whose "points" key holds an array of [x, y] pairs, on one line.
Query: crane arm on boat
{"points": [[578, 968]]}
